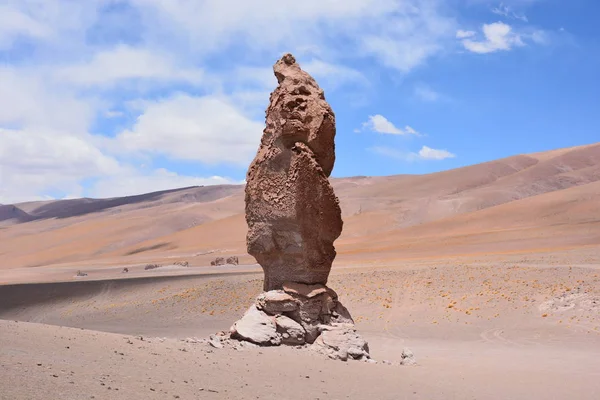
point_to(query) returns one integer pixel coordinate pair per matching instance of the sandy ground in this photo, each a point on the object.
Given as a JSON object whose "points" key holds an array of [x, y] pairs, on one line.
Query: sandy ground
{"points": [[490, 274], [479, 330]]}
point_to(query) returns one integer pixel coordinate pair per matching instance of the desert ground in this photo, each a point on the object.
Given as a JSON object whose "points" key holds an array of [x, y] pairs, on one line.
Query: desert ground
{"points": [[490, 274]]}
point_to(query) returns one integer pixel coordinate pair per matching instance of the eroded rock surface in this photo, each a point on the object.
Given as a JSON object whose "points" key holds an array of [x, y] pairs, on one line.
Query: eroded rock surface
{"points": [[342, 342], [292, 212], [256, 327], [302, 314], [293, 219]]}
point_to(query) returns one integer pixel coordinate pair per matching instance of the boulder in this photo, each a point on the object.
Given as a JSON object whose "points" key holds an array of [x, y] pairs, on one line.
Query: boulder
{"points": [[340, 314], [408, 358], [276, 302], [234, 260], [256, 327], [342, 343], [292, 333], [219, 261]]}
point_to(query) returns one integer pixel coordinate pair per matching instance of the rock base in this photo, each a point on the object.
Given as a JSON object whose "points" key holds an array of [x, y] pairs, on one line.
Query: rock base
{"points": [[301, 315]]}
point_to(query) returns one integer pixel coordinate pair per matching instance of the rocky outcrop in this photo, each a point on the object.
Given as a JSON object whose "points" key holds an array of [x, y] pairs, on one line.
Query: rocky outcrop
{"points": [[293, 219], [342, 342], [292, 212], [302, 314], [256, 327]]}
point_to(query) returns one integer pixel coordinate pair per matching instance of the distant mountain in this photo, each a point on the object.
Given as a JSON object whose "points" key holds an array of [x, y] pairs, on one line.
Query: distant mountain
{"points": [[10, 214], [540, 200]]}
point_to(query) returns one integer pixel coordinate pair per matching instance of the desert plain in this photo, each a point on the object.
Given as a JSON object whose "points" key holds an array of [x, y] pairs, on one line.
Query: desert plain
{"points": [[489, 274]]}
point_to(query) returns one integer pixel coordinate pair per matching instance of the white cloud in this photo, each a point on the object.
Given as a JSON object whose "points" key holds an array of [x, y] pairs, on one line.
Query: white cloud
{"points": [[506, 11], [401, 34], [207, 129], [132, 182], [68, 83], [14, 23], [122, 63], [378, 123], [333, 75], [460, 34], [29, 98], [425, 93], [415, 33], [539, 37], [113, 114], [33, 162], [498, 36], [261, 23], [425, 154]]}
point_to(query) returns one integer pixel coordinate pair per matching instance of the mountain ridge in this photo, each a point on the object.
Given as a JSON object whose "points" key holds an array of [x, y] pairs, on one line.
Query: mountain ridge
{"points": [[391, 209]]}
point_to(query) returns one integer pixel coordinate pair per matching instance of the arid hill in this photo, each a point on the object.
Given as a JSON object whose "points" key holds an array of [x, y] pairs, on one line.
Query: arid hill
{"points": [[533, 203]]}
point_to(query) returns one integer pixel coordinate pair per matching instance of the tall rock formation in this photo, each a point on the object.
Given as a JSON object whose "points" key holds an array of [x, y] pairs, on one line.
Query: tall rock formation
{"points": [[292, 212], [293, 219]]}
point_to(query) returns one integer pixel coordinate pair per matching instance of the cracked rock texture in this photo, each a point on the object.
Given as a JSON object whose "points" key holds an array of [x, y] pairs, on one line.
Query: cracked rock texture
{"points": [[293, 219], [292, 213], [302, 315]]}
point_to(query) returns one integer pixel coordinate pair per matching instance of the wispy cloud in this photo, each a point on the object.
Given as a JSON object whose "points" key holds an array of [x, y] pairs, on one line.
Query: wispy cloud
{"points": [[427, 94], [380, 124], [506, 11], [122, 63], [497, 37], [427, 153], [460, 34], [424, 154]]}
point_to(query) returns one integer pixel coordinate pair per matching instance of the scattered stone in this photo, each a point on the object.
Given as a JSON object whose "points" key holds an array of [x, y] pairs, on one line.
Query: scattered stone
{"points": [[215, 342], [408, 357], [218, 261], [342, 343], [234, 260], [249, 345], [181, 263]]}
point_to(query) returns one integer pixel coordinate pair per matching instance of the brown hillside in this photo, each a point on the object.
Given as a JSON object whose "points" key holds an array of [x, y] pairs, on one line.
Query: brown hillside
{"points": [[527, 202]]}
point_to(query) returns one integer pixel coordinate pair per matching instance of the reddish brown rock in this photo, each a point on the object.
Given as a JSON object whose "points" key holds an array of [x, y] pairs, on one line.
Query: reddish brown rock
{"points": [[293, 219], [292, 212]]}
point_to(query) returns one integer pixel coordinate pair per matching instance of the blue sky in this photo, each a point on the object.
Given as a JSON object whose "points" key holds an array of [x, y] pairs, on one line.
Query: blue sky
{"points": [[115, 97]]}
